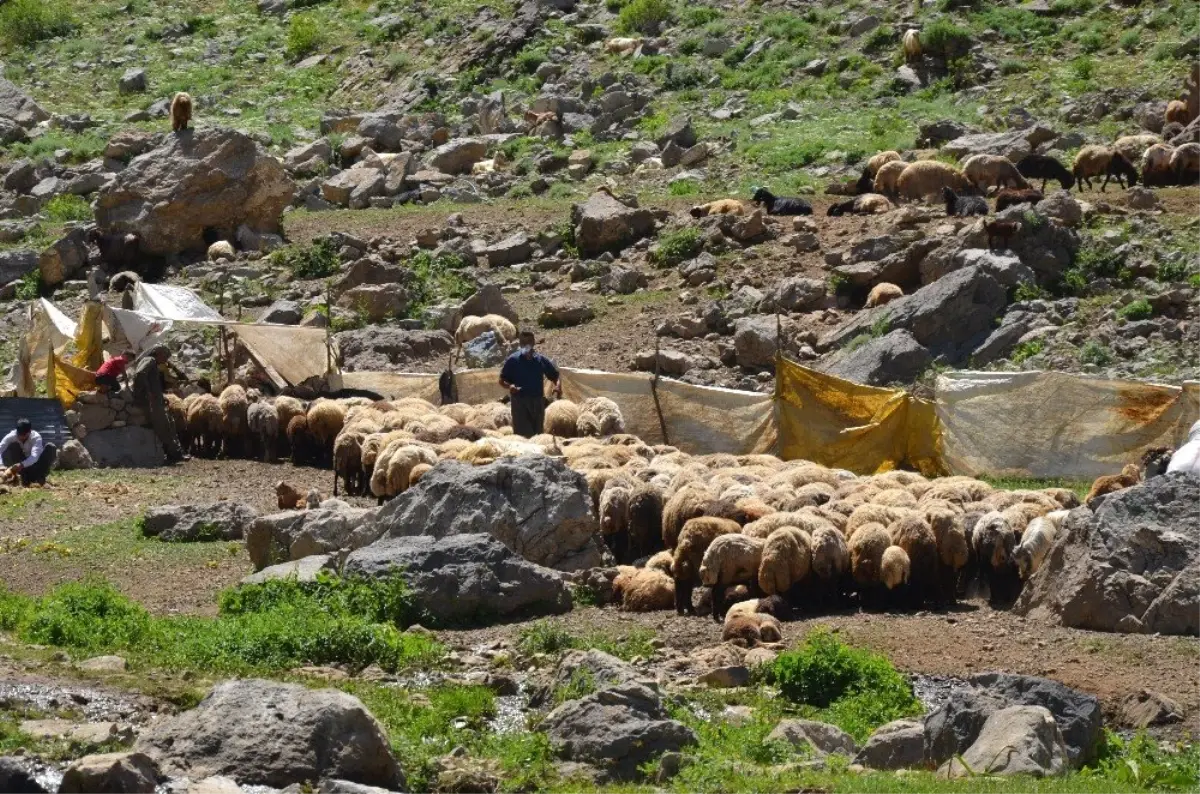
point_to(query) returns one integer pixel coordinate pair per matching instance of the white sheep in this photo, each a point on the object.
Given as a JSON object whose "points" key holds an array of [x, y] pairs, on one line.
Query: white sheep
{"points": [[1036, 542], [263, 422], [912, 44]]}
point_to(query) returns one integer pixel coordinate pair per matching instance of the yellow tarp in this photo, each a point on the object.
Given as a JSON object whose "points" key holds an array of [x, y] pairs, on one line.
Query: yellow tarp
{"points": [[66, 381], [845, 425], [89, 337]]}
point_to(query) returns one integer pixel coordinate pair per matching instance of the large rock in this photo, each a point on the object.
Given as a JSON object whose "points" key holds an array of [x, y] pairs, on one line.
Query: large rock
{"points": [[1132, 566], [1047, 248], [755, 340], [376, 302], [464, 577], [534, 505], [795, 294], [65, 259], [353, 187], [949, 317], [616, 729], [73, 455], [17, 774], [957, 723], [295, 534], [113, 773], [489, 300], [282, 312], [565, 310], [899, 744], [129, 447], [305, 569], [457, 157], [1019, 740], [368, 270], [893, 358], [213, 521], [385, 348], [18, 106], [602, 223], [593, 666], [512, 250], [204, 179], [133, 81], [16, 263], [272, 734], [811, 735], [1014, 144]]}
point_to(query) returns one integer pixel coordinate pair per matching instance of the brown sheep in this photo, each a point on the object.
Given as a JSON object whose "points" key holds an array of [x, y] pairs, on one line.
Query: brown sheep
{"points": [[288, 497], [718, 207], [731, 559], [880, 160], [1185, 163], [643, 590], [234, 404], [989, 170], [916, 538], [1177, 113], [895, 569], [300, 441], [887, 177], [1092, 162], [882, 294], [1131, 475], [1156, 166], [181, 111], [204, 423], [695, 538], [928, 178], [866, 555]]}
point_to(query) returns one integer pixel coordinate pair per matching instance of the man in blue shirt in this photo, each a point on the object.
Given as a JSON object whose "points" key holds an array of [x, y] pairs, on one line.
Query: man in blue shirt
{"points": [[522, 374]]}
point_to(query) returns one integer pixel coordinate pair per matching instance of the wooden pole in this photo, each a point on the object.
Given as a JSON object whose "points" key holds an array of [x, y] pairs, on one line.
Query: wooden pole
{"points": [[328, 329], [662, 422]]}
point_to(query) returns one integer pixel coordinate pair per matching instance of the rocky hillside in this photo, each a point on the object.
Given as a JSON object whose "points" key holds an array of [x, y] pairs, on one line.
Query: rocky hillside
{"points": [[430, 149]]}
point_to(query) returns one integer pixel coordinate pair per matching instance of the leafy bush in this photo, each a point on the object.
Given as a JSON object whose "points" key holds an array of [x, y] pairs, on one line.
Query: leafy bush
{"points": [[644, 16], [1083, 68], [26, 22], [316, 259], [1027, 350], [690, 45], [1129, 40], [61, 209], [1171, 272], [1028, 291], [267, 627], [1013, 66], [304, 36], [1142, 763], [529, 59], [943, 37], [435, 279], [861, 688], [1093, 352], [675, 246], [30, 286], [1015, 24], [1139, 309], [1091, 41]]}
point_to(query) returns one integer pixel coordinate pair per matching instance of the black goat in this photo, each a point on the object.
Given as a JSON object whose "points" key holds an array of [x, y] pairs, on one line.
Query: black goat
{"points": [[1011, 198], [963, 206], [865, 183], [779, 205], [841, 208], [1040, 166]]}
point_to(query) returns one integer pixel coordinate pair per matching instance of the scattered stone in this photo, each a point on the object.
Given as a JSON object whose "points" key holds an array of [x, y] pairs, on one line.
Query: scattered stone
{"points": [[821, 737], [73, 455], [304, 569], [104, 664], [119, 773], [386, 348], [1140, 198], [1019, 740], [19, 107], [512, 250], [1146, 708], [670, 362], [562, 311], [16, 777], [601, 669], [602, 223], [132, 82], [282, 312], [899, 744], [199, 522]]}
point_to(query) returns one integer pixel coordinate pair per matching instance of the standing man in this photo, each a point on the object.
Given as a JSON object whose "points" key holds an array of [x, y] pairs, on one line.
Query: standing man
{"points": [[148, 379], [109, 376], [522, 375], [23, 452]]}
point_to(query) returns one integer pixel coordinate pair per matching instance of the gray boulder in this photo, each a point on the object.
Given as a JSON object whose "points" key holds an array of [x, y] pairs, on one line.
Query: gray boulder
{"points": [[353, 187], [1014, 144], [1018, 740], [18, 106], [489, 300], [602, 223], [65, 258], [16, 263], [563, 311], [295, 534], [129, 447], [1047, 248], [668, 362], [512, 250], [616, 729], [213, 521], [376, 302], [457, 157], [368, 270], [304, 569], [21, 176], [795, 294], [282, 312], [594, 667], [464, 577], [272, 734], [678, 131], [957, 723], [206, 179], [1131, 566], [485, 350], [893, 358], [18, 774], [949, 317], [818, 737], [534, 505], [73, 455], [133, 81], [899, 744], [385, 348], [755, 341], [623, 280], [1001, 341], [126, 773], [1061, 206]]}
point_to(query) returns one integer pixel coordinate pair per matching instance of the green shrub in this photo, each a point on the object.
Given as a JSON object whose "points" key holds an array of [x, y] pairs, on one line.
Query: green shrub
{"points": [[861, 689], [316, 259], [529, 59], [1027, 350], [1141, 763], [26, 22], [1028, 291], [1013, 66], [1091, 41], [644, 16], [690, 45], [675, 246], [1171, 272], [1139, 309], [61, 209], [30, 286], [1083, 68], [1129, 40], [1015, 24], [1094, 352], [696, 16], [945, 38], [304, 36], [434, 279]]}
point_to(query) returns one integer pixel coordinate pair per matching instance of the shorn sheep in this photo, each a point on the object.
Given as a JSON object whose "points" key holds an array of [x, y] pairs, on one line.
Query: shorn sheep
{"points": [[718, 207], [1156, 166], [234, 405], [1093, 162], [697, 535], [181, 111], [262, 420], [781, 205], [730, 559], [912, 45], [927, 178], [1045, 168], [989, 170], [963, 206], [1185, 163], [882, 294], [1013, 198], [887, 177]]}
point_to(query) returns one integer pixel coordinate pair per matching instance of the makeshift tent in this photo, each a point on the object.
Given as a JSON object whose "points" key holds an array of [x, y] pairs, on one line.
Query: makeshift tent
{"points": [[49, 331]]}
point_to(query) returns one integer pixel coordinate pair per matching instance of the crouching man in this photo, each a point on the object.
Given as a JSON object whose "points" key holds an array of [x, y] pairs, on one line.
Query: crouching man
{"points": [[24, 453]]}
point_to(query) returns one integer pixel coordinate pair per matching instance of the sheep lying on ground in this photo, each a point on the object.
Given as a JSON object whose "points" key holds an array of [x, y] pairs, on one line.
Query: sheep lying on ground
{"points": [[643, 590], [287, 497], [882, 294], [963, 206], [719, 207], [751, 629], [866, 204], [1093, 162], [1045, 168], [989, 170], [781, 205]]}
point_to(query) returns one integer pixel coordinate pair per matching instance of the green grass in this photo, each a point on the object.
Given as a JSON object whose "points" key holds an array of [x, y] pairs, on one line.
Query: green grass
{"points": [[304, 37], [675, 246], [1139, 309], [260, 629], [436, 279], [549, 638], [644, 16], [315, 259], [1027, 350], [1036, 484], [26, 22], [62, 209]]}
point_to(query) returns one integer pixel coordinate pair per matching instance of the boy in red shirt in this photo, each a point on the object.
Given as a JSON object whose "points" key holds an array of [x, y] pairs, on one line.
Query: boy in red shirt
{"points": [[107, 377]]}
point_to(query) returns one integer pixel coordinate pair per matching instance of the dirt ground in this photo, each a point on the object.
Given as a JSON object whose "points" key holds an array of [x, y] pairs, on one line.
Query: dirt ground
{"points": [[84, 525]]}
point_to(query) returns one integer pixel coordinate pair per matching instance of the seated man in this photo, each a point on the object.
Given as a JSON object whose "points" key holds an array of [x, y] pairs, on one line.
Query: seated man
{"points": [[23, 452], [111, 371]]}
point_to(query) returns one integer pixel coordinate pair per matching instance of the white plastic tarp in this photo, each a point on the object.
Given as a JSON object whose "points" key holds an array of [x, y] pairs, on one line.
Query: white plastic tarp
{"points": [[139, 331], [1051, 424], [173, 303], [49, 331], [390, 385]]}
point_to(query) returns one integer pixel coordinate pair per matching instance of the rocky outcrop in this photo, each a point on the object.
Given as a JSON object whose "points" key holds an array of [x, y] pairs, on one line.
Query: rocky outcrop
{"points": [[820, 738], [271, 734], [122, 772], [214, 521], [616, 729], [534, 505], [602, 223], [899, 744], [385, 348], [601, 669], [1132, 566], [1019, 740], [295, 534], [457, 157], [203, 179], [18, 107], [892, 358], [65, 258], [463, 578]]}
